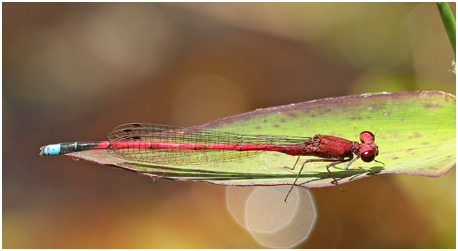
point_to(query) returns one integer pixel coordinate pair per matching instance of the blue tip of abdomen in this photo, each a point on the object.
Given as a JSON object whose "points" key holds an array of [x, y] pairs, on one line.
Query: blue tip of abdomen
{"points": [[53, 149]]}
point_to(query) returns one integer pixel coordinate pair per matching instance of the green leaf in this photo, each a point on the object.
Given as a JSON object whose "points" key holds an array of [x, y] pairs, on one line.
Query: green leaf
{"points": [[415, 133], [449, 23]]}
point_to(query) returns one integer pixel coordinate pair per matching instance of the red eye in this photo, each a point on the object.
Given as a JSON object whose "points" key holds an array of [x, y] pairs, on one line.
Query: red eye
{"points": [[368, 156], [365, 136]]}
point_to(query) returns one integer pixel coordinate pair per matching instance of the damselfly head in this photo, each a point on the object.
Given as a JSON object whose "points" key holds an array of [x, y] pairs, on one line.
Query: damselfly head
{"points": [[368, 149]]}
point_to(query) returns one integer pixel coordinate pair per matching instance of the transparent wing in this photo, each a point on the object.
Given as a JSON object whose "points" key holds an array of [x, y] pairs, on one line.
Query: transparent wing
{"points": [[174, 134]]}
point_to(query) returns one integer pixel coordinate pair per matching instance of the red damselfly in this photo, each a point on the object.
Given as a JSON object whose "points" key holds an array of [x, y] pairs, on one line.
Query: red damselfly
{"points": [[162, 144]]}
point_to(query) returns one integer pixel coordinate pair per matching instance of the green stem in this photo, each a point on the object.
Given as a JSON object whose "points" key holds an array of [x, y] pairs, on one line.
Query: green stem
{"points": [[449, 23]]}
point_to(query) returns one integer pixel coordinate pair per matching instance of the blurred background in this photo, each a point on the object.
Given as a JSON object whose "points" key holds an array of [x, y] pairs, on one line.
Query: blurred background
{"points": [[74, 71]]}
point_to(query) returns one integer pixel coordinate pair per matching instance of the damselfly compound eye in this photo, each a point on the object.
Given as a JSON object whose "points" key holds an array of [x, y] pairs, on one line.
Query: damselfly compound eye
{"points": [[368, 156], [365, 136]]}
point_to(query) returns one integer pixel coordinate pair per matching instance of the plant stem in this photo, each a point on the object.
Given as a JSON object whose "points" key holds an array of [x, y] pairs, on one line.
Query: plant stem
{"points": [[449, 23]]}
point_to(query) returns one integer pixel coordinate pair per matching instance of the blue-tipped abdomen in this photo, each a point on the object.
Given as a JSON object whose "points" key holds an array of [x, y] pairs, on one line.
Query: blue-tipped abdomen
{"points": [[63, 148], [53, 149]]}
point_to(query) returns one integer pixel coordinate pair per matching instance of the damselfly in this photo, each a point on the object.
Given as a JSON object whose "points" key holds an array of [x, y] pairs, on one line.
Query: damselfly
{"points": [[163, 144]]}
